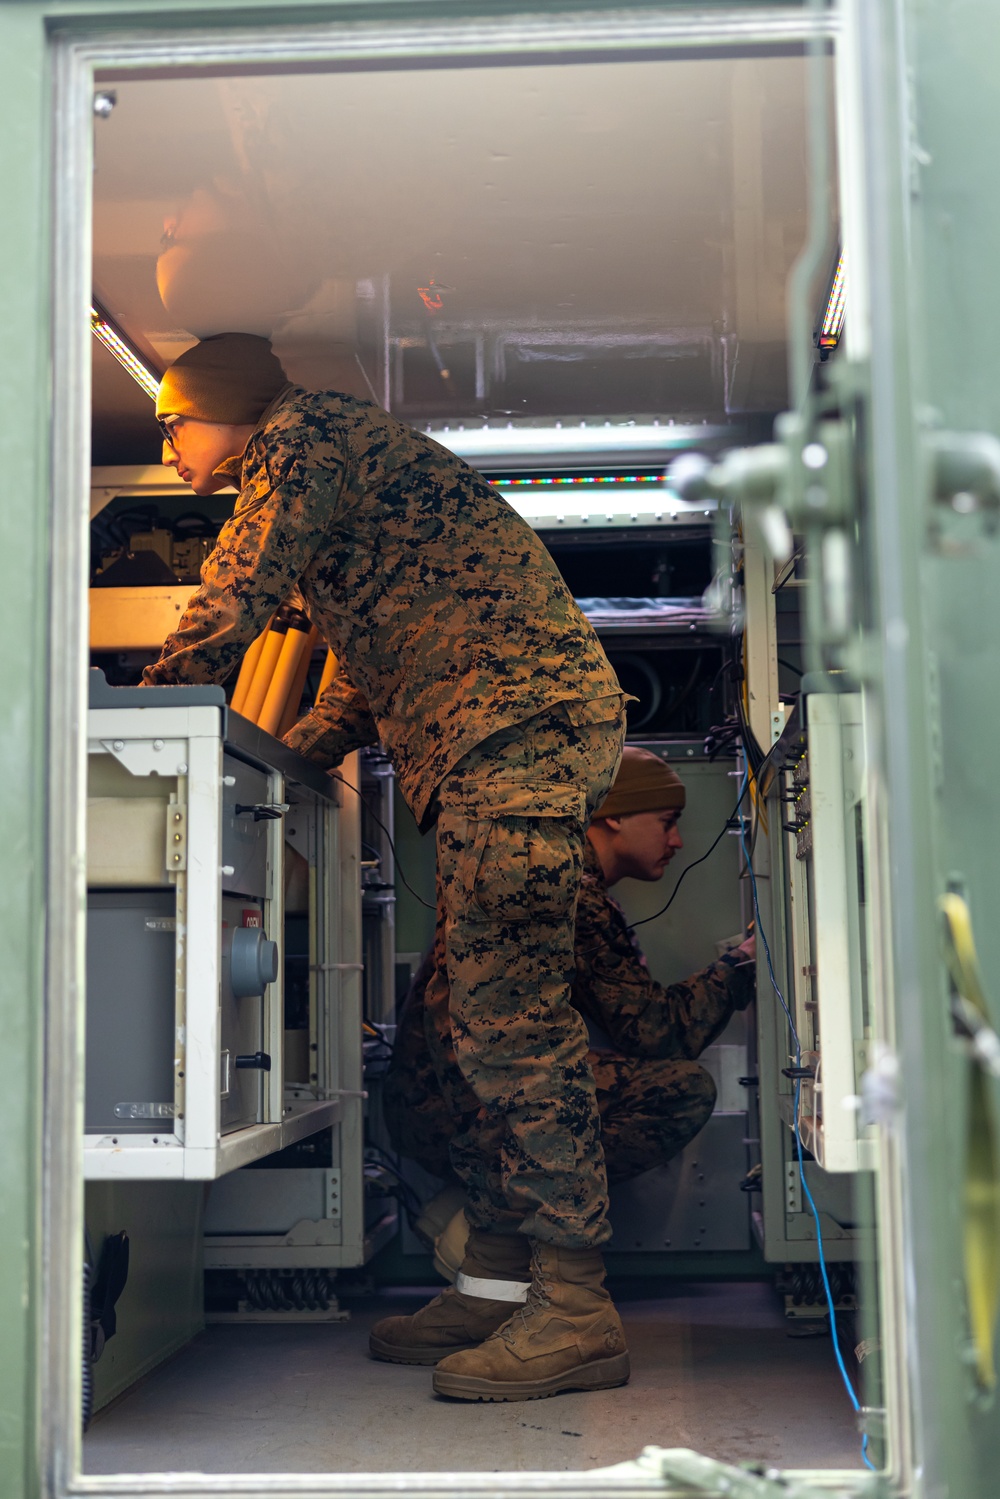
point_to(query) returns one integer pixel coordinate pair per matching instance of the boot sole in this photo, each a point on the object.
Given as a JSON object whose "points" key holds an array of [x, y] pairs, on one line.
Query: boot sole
{"points": [[604, 1374], [392, 1353]]}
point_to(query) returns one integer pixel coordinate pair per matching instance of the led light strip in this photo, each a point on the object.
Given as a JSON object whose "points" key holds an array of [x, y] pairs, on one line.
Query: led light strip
{"points": [[105, 331], [836, 307], [583, 480], [577, 506]]}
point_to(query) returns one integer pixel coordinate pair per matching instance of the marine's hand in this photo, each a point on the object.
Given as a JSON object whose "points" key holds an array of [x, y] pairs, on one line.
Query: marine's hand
{"points": [[748, 947]]}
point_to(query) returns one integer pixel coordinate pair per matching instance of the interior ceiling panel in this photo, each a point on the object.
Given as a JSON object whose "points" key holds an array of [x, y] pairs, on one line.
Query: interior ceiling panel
{"points": [[599, 240]]}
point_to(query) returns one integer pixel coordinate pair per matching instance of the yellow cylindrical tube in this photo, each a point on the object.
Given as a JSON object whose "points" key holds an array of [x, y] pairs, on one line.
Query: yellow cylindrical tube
{"points": [[285, 671], [247, 670], [329, 672], [267, 661], [294, 697]]}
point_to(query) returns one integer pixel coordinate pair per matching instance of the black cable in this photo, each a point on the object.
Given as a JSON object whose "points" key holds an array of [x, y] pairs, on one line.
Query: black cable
{"points": [[379, 823], [727, 825], [722, 739], [676, 703], [693, 865], [727, 665], [373, 852]]}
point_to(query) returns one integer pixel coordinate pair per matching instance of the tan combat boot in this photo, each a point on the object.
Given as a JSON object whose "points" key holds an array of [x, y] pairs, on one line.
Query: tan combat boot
{"points": [[567, 1336], [492, 1283]]}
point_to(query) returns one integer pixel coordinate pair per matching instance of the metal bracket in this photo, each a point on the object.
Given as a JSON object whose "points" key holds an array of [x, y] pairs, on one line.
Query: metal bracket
{"points": [[871, 1421], [149, 757], [804, 482], [793, 1187], [176, 850], [333, 1198]]}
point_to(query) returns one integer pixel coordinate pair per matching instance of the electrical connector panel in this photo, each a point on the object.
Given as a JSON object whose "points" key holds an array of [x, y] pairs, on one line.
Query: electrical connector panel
{"points": [[822, 863]]}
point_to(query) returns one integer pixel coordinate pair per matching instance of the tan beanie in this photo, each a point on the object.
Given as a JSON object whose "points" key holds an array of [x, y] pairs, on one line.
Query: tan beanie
{"points": [[231, 378], [644, 783]]}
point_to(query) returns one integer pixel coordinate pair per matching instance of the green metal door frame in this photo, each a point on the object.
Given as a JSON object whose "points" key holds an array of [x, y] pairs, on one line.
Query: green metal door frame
{"points": [[927, 241], [44, 284]]}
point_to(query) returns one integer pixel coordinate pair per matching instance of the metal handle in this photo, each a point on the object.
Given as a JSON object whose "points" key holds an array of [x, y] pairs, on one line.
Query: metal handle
{"points": [[258, 1061], [262, 811]]}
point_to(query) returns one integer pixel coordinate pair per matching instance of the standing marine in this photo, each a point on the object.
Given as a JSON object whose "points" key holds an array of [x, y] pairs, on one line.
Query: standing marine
{"points": [[653, 1095], [463, 652]]}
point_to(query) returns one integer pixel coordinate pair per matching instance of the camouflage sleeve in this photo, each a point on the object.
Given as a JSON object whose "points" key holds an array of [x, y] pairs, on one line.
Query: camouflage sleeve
{"points": [[614, 987], [340, 721], [282, 515]]}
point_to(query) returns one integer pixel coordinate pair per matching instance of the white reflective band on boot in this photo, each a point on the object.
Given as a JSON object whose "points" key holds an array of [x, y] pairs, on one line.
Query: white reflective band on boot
{"points": [[493, 1290]]}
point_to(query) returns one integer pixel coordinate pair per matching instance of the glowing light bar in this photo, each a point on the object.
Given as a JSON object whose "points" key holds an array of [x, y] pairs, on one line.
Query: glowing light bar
{"points": [[584, 504], [106, 332], [836, 307], [584, 479], [578, 440]]}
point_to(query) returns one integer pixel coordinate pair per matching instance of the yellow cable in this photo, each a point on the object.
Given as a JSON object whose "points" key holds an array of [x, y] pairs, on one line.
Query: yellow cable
{"points": [[982, 1161]]}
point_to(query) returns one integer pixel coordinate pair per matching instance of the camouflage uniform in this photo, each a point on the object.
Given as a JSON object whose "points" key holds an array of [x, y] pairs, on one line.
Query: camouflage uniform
{"points": [[445, 610], [463, 651], [510, 845], [652, 1095]]}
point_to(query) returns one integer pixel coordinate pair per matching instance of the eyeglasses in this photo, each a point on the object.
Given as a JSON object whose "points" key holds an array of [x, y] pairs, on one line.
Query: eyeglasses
{"points": [[168, 427]]}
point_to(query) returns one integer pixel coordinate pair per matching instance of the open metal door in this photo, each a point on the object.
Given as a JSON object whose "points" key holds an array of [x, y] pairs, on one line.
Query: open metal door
{"points": [[922, 244], [889, 471]]}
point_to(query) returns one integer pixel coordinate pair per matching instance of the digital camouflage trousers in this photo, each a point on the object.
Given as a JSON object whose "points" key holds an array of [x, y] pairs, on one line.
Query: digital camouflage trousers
{"points": [[649, 1107], [510, 835]]}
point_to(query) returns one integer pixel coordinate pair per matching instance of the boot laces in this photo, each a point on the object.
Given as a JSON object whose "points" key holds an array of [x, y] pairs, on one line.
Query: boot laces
{"points": [[538, 1300]]}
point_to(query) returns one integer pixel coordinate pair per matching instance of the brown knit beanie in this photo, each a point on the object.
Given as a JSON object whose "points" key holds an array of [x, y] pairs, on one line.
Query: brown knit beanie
{"points": [[230, 378], [644, 783]]}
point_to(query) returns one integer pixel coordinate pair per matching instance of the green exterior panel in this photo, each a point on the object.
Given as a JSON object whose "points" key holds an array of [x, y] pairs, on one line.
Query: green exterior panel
{"points": [[956, 308], [931, 243], [24, 440]]}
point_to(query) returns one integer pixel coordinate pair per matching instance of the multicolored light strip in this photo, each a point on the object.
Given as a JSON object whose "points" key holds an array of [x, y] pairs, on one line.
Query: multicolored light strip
{"points": [[104, 330], [836, 307], [584, 479]]}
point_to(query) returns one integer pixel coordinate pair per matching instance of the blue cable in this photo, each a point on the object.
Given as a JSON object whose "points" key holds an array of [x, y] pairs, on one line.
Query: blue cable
{"points": [[796, 1132]]}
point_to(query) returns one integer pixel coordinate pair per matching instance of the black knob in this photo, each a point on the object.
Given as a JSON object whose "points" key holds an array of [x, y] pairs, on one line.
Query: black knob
{"points": [[258, 1060]]}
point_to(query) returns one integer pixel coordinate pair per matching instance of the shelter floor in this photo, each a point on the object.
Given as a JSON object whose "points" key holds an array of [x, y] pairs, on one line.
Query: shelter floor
{"points": [[713, 1368]]}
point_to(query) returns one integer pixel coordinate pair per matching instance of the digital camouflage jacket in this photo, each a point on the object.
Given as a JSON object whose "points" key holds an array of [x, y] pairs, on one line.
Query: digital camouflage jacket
{"points": [[447, 615], [615, 990]]}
